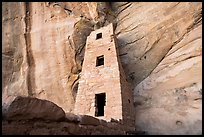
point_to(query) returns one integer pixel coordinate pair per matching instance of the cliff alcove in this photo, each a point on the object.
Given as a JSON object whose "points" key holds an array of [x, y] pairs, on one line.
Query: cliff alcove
{"points": [[160, 48]]}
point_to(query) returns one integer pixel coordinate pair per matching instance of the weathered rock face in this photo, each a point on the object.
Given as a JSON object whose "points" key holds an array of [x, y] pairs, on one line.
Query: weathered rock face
{"points": [[42, 45], [14, 61], [159, 44]]}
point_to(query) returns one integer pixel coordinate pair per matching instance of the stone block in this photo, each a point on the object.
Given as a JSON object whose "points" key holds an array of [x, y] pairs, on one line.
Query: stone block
{"points": [[89, 120], [70, 117], [103, 122]]}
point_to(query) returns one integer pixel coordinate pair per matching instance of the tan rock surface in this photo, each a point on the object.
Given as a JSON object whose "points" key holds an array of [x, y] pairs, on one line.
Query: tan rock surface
{"points": [[159, 45], [14, 63], [42, 45]]}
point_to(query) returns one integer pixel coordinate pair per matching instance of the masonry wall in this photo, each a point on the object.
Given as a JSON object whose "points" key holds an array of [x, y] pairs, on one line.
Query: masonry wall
{"points": [[127, 94], [90, 126], [108, 78], [95, 80], [127, 100]]}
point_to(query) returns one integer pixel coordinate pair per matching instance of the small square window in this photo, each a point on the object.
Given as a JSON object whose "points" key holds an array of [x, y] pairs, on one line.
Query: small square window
{"points": [[99, 36], [100, 60]]}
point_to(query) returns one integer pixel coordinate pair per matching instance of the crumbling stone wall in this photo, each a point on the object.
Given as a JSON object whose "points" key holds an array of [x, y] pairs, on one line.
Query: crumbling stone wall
{"points": [[33, 116], [85, 127]]}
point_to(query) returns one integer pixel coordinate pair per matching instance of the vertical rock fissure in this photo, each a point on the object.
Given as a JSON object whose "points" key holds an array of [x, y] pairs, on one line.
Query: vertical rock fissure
{"points": [[29, 55], [105, 15]]}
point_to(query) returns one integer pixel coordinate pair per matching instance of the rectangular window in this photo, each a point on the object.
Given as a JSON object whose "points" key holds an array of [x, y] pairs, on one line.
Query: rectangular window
{"points": [[100, 101], [100, 60], [99, 36]]}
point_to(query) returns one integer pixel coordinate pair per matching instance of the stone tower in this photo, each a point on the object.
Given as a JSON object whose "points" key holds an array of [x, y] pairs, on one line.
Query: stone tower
{"points": [[103, 90]]}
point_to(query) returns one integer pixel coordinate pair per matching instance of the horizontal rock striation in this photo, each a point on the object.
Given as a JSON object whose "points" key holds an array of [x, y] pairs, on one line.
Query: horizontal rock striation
{"points": [[161, 51]]}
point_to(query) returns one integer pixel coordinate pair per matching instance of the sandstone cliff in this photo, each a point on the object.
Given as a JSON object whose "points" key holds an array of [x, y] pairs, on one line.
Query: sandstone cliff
{"points": [[42, 45], [160, 50]]}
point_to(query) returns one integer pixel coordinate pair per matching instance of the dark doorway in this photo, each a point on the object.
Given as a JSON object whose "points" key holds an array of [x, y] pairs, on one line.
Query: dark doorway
{"points": [[100, 101], [100, 60]]}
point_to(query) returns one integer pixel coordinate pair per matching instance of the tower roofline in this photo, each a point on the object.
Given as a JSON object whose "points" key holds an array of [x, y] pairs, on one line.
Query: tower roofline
{"points": [[106, 29]]}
